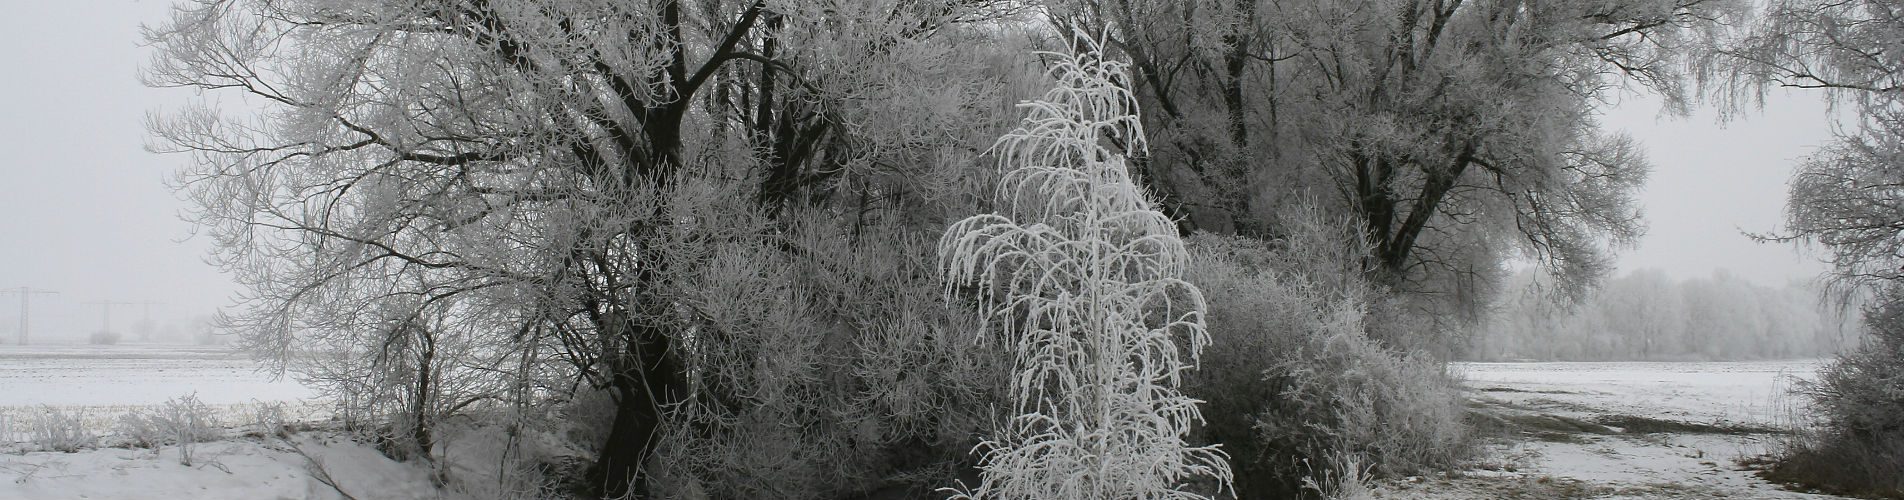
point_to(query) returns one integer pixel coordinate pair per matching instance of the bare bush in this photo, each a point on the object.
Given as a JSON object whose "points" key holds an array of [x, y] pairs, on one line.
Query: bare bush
{"points": [[271, 419], [102, 338], [828, 373]]}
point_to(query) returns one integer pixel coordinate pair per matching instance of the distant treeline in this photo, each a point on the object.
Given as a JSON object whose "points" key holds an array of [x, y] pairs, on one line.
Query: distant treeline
{"points": [[1646, 315]]}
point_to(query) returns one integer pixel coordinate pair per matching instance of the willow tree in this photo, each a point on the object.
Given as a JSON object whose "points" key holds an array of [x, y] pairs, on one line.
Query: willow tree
{"points": [[560, 176], [1084, 276]]}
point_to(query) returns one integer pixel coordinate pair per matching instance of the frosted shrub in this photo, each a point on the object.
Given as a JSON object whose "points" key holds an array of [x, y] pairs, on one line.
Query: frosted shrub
{"points": [[55, 429], [1083, 274], [140, 430], [187, 420], [1300, 391], [1858, 446], [271, 419], [838, 372], [183, 420]]}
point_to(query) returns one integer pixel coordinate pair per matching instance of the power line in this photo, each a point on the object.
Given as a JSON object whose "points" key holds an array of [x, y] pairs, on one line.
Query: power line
{"points": [[26, 293]]}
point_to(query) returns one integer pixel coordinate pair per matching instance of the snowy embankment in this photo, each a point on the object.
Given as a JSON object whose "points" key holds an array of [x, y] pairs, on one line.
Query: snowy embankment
{"points": [[1621, 430]]}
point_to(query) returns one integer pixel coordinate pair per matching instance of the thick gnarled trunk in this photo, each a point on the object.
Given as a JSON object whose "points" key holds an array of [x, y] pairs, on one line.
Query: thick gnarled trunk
{"points": [[647, 380]]}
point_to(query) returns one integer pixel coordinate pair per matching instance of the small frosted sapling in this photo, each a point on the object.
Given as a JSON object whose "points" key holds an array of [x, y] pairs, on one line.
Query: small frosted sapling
{"points": [[1084, 275]]}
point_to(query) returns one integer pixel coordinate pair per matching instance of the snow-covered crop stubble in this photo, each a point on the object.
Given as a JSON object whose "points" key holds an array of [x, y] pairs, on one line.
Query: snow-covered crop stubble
{"points": [[134, 375], [101, 382], [1746, 392]]}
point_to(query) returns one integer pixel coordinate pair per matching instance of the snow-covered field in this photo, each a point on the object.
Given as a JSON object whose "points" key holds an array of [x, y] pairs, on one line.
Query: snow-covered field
{"points": [[1623, 430], [1746, 392], [101, 382], [84, 375]]}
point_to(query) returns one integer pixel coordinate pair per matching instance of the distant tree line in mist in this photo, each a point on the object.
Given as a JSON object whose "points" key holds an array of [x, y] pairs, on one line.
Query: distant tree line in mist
{"points": [[1647, 315]]}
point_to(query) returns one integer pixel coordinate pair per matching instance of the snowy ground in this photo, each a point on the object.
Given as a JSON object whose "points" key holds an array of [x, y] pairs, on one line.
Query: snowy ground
{"points": [[1561, 431], [238, 469], [1621, 430]]}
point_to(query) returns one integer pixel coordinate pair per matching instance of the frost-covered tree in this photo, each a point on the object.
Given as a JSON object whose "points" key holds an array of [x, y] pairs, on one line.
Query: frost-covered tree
{"points": [[1456, 133], [564, 180], [1084, 275], [1645, 315], [1844, 197]]}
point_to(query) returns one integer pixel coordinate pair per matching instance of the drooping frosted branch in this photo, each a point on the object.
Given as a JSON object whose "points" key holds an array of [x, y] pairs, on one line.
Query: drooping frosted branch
{"points": [[1083, 274]]}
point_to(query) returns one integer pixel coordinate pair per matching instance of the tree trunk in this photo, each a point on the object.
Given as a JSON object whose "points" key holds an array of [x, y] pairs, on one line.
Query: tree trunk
{"points": [[1237, 196], [647, 379], [419, 409]]}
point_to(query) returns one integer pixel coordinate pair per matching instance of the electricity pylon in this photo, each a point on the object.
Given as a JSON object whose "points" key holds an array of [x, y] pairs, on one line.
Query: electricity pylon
{"points": [[26, 293], [146, 318]]}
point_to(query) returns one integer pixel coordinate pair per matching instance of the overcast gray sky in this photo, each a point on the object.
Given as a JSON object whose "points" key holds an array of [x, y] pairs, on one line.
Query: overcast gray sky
{"points": [[86, 211], [1712, 181]]}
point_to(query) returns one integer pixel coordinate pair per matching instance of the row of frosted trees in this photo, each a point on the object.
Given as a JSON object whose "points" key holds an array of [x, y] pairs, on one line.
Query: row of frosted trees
{"points": [[1646, 315], [699, 242]]}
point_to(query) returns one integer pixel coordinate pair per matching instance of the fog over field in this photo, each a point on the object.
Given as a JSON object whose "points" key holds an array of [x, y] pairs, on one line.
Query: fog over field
{"points": [[951, 249]]}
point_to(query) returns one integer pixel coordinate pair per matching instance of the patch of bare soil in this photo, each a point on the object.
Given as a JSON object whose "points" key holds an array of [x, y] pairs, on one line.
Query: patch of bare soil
{"points": [[1529, 487]]}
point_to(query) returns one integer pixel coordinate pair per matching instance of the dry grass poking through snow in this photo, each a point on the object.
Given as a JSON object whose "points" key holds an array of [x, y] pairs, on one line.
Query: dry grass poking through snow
{"points": [[37, 428]]}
